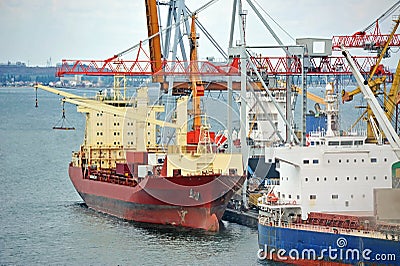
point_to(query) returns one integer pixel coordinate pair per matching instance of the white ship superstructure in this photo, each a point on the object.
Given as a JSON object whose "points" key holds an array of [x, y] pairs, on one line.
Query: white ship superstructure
{"points": [[339, 175], [333, 173], [260, 124]]}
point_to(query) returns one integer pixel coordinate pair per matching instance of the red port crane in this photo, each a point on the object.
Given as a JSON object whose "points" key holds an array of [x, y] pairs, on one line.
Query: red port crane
{"points": [[373, 41], [155, 65]]}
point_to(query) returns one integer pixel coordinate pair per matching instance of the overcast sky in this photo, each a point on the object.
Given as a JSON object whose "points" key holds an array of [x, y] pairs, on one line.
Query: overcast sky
{"points": [[33, 31]]}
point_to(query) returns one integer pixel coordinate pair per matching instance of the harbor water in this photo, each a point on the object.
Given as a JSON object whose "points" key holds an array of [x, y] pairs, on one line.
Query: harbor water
{"points": [[44, 221]]}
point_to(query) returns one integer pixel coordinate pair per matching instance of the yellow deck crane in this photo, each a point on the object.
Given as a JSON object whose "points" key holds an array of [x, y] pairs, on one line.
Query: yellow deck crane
{"points": [[196, 84], [154, 42], [375, 84], [105, 106]]}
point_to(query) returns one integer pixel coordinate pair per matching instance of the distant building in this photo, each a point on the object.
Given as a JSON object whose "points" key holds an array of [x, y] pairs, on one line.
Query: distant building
{"points": [[19, 72]]}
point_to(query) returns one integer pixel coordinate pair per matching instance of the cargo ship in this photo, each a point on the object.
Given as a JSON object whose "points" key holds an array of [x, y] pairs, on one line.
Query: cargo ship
{"points": [[121, 168], [338, 202]]}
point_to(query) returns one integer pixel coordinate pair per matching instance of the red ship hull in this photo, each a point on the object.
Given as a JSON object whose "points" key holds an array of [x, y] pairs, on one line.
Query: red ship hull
{"points": [[195, 202]]}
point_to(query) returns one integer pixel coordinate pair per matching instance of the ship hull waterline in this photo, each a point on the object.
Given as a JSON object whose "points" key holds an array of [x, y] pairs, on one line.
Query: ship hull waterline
{"points": [[197, 202]]}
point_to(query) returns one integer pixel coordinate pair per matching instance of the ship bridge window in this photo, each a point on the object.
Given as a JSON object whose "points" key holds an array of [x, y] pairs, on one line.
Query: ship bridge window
{"points": [[346, 143], [313, 197], [306, 161], [253, 126], [373, 160], [315, 161], [358, 142], [333, 143], [335, 196]]}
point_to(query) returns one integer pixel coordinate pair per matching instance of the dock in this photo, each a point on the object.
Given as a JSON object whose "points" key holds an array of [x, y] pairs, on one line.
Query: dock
{"points": [[248, 218]]}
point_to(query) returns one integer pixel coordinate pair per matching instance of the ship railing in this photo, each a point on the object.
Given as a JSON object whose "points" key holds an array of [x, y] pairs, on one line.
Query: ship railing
{"points": [[265, 205], [110, 177], [267, 221]]}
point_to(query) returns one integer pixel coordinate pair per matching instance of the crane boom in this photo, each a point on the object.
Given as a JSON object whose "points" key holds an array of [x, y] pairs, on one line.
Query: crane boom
{"points": [[154, 43], [197, 87], [374, 84], [310, 95], [393, 93], [377, 111], [385, 47], [102, 106], [371, 41]]}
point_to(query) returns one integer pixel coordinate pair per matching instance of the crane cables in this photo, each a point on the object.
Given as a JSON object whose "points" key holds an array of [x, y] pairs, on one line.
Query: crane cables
{"points": [[63, 123], [276, 23], [385, 15], [174, 25]]}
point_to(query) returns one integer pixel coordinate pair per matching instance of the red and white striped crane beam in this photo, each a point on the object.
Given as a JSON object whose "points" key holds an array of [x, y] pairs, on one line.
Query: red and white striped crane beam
{"points": [[143, 66], [333, 65]]}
